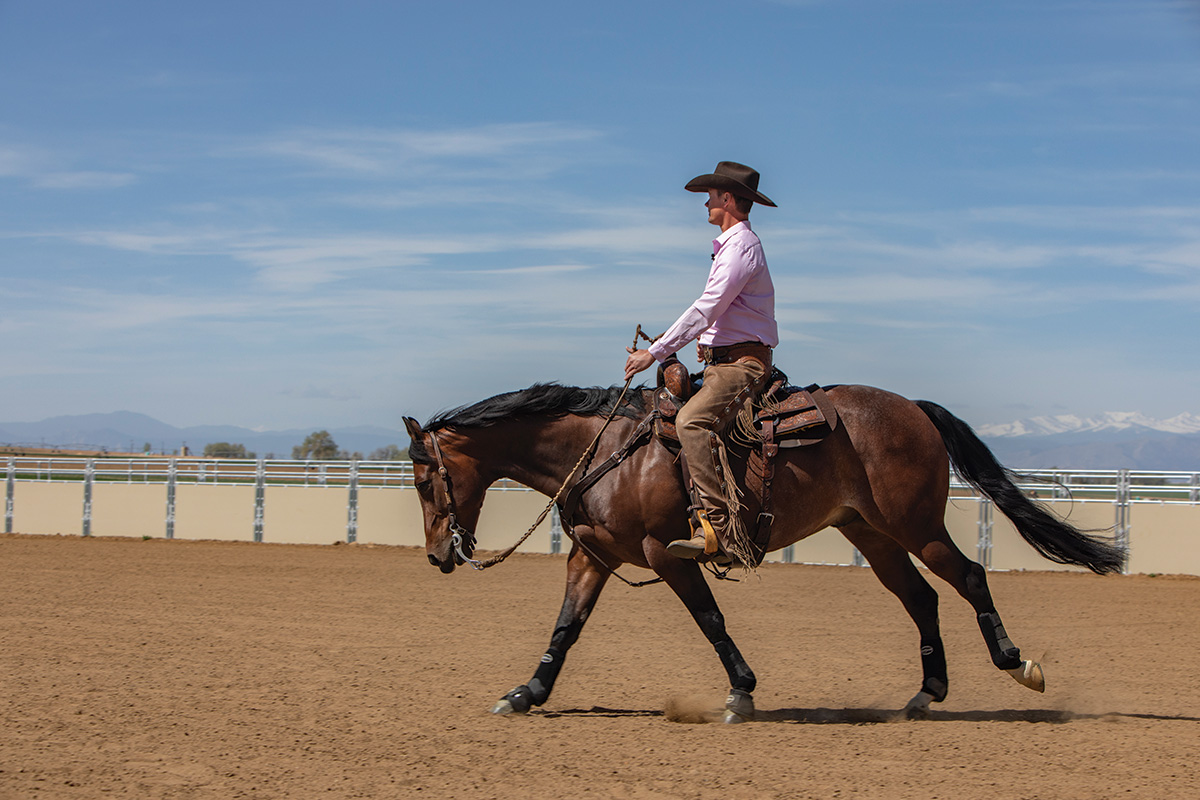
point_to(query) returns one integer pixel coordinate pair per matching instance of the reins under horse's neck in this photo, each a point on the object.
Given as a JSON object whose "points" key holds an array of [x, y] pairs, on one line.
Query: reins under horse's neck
{"points": [[586, 456]]}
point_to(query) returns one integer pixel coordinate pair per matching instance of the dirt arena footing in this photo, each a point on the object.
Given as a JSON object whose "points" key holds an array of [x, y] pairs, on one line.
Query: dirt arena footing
{"points": [[170, 669]]}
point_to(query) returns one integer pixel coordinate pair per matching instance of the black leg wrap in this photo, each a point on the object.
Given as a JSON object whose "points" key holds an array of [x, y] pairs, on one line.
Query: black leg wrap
{"points": [[547, 672], [740, 675], [1005, 654], [933, 665], [520, 698]]}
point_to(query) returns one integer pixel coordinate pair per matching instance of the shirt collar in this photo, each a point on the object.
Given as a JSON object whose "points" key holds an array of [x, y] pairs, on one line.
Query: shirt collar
{"points": [[726, 235]]}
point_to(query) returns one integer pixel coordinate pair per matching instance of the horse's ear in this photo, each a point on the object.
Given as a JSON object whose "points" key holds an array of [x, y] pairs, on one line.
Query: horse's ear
{"points": [[414, 428]]}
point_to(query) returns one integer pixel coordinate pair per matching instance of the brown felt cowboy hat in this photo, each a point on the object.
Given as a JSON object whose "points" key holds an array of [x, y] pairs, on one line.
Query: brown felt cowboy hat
{"points": [[730, 176]]}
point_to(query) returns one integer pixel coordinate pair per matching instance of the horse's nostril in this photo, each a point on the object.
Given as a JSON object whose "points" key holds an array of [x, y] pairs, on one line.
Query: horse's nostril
{"points": [[433, 560]]}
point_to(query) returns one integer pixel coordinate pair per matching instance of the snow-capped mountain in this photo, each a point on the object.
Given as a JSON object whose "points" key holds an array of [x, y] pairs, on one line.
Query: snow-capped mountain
{"points": [[1109, 422], [1114, 440]]}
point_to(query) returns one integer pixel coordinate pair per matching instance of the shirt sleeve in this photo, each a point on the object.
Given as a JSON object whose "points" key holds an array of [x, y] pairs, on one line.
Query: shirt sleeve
{"points": [[731, 270]]}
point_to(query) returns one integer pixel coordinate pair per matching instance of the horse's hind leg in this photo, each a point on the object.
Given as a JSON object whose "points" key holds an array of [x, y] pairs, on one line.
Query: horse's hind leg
{"points": [[585, 579], [900, 576], [970, 580]]}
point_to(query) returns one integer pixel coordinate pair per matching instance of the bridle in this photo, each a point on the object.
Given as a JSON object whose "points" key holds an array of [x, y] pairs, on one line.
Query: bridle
{"points": [[458, 534]]}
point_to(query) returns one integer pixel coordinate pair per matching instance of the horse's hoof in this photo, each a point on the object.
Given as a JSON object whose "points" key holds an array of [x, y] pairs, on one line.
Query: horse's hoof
{"points": [[1029, 674], [739, 707], [918, 707], [518, 701]]}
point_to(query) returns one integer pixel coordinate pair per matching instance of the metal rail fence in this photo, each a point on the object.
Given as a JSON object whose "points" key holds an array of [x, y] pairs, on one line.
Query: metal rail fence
{"points": [[1082, 492], [1065, 489], [175, 472]]}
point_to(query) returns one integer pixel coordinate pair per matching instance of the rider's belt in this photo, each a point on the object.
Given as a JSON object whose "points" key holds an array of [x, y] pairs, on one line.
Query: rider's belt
{"points": [[727, 354]]}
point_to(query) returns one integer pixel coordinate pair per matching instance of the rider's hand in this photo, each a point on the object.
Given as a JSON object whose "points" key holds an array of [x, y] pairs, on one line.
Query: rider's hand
{"points": [[638, 360]]}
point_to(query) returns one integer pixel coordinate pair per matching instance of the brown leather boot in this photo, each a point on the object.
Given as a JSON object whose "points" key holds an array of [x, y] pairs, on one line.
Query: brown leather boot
{"points": [[703, 542], [687, 548]]}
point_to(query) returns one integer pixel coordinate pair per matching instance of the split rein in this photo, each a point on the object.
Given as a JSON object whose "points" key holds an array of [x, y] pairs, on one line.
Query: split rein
{"points": [[460, 536]]}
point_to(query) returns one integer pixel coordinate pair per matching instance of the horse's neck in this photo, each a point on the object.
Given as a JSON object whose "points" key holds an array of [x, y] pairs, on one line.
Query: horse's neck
{"points": [[539, 453]]}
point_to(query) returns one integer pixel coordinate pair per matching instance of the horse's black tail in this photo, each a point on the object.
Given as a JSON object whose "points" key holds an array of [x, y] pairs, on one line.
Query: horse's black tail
{"points": [[1046, 533]]}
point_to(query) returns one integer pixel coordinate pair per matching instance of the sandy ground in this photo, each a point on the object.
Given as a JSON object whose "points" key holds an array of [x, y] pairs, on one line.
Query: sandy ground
{"points": [[157, 669]]}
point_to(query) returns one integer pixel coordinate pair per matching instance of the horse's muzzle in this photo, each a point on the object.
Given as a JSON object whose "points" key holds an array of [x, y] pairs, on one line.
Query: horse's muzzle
{"points": [[444, 556], [446, 565]]}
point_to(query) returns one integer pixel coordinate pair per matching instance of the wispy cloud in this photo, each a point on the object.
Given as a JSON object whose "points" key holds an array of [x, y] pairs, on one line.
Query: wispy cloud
{"points": [[545, 269], [43, 169], [494, 150], [82, 180]]}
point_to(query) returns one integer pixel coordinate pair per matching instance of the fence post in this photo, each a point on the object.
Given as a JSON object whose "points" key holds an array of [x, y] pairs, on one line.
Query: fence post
{"points": [[89, 473], [260, 494], [171, 469], [10, 486], [556, 531], [985, 532], [1123, 503], [352, 507]]}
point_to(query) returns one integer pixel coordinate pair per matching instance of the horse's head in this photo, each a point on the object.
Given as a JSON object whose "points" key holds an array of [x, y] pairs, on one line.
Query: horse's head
{"points": [[451, 493]]}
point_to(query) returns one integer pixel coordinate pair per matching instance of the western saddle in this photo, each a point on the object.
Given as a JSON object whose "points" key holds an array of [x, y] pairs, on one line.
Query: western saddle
{"points": [[782, 416]]}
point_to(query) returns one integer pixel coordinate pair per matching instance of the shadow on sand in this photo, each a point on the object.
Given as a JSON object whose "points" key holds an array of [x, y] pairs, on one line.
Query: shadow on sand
{"points": [[868, 716]]}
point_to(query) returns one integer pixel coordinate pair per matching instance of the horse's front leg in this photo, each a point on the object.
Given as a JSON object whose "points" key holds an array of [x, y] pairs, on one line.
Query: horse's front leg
{"points": [[687, 581], [585, 579]]}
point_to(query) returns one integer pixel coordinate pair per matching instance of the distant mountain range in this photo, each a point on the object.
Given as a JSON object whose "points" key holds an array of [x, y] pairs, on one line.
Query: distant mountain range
{"points": [[1116, 440], [1122, 422], [125, 431]]}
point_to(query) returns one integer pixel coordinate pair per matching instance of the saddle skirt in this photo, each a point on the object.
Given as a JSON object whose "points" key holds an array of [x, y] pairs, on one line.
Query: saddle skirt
{"points": [[783, 415]]}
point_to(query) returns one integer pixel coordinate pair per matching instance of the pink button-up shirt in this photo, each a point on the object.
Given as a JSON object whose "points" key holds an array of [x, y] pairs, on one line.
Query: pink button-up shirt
{"points": [[738, 303]]}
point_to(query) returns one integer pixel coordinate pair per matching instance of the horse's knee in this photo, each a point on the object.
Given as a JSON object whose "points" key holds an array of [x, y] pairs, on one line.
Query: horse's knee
{"points": [[712, 625]]}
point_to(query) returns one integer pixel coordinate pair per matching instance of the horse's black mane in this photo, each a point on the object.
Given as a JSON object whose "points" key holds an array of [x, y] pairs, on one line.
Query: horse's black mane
{"points": [[549, 400]]}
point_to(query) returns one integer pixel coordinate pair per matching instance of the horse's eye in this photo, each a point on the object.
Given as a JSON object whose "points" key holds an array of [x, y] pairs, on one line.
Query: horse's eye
{"points": [[424, 487]]}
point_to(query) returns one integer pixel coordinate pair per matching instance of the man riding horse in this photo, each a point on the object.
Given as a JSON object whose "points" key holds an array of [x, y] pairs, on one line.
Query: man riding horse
{"points": [[881, 477], [734, 320]]}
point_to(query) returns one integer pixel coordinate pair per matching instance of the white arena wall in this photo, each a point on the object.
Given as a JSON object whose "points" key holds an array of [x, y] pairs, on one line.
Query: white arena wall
{"points": [[295, 502]]}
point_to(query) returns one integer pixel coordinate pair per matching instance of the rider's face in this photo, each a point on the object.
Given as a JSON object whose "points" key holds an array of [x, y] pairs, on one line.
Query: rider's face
{"points": [[717, 205]]}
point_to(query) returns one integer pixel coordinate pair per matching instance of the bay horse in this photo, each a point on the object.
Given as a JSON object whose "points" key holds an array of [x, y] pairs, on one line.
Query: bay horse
{"points": [[881, 478]]}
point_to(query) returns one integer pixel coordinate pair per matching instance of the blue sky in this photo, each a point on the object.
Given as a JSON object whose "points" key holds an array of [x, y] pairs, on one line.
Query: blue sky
{"points": [[302, 214]]}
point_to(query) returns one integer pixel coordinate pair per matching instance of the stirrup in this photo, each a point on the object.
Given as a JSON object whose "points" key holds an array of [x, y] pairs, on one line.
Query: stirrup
{"points": [[712, 544], [704, 545]]}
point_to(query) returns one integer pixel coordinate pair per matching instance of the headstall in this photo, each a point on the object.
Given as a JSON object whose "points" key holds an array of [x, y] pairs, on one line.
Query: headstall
{"points": [[459, 534]]}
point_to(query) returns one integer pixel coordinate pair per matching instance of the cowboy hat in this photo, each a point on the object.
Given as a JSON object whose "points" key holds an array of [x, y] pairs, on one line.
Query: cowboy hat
{"points": [[730, 176]]}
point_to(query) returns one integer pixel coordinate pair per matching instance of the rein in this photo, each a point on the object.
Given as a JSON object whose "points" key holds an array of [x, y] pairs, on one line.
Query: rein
{"points": [[460, 536]]}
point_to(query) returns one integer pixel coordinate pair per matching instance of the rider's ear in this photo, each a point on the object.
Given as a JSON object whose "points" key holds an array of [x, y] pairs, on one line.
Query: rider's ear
{"points": [[414, 427]]}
